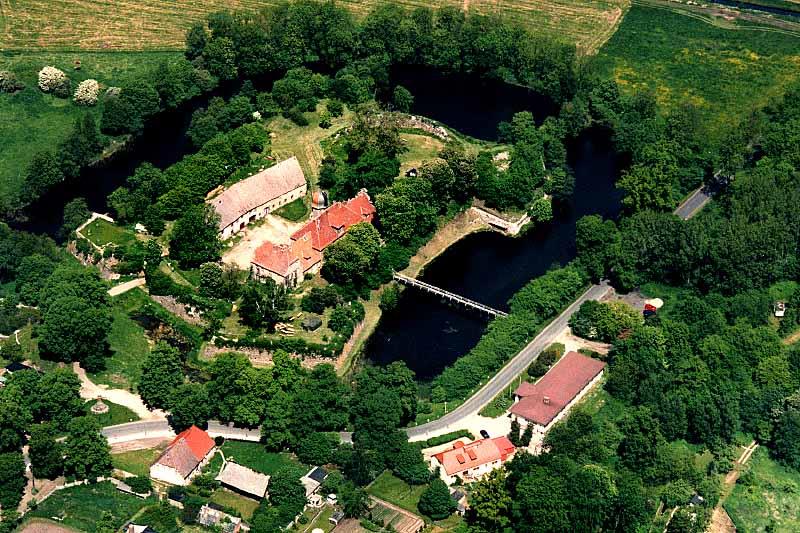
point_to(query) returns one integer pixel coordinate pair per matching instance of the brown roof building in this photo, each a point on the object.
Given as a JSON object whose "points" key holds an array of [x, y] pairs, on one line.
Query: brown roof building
{"points": [[473, 460], [254, 197], [184, 457], [545, 401], [244, 480]]}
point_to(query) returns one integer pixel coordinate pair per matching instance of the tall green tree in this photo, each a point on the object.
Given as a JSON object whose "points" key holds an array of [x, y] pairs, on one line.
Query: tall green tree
{"points": [[86, 451], [435, 501], [264, 303], [12, 479], [162, 373], [189, 406], [195, 237], [45, 452]]}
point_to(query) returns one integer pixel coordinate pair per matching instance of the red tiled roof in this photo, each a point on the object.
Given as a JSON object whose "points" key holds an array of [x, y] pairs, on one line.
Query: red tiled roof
{"points": [[545, 399], [334, 221], [187, 450], [464, 457], [275, 257]]}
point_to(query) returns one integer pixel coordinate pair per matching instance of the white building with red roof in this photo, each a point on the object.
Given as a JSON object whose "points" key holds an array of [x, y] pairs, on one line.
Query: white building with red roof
{"points": [[183, 459], [548, 400], [255, 197], [287, 264], [470, 462]]}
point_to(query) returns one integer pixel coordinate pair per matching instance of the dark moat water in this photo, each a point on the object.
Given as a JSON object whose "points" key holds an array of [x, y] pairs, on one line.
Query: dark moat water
{"points": [[489, 267]]}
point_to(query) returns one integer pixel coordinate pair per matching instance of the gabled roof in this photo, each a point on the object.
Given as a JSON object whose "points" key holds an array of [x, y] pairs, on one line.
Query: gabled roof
{"points": [[318, 474], [545, 399], [242, 478], [334, 221], [187, 450], [258, 189], [275, 257], [467, 456]]}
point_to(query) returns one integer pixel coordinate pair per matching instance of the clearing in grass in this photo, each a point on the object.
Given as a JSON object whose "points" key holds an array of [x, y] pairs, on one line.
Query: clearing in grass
{"points": [[129, 349], [394, 490], [30, 120], [80, 507], [245, 506], [725, 72], [296, 210], [766, 496], [102, 232], [137, 462], [117, 414]]}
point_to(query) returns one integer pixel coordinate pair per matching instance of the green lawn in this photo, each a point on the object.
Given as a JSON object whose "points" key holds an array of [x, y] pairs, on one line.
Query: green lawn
{"points": [[725, 71], [226, 498], [772, 498], [81, 507], [136, 462], [394, 490], [102, 232], [296, 210], [421, 148], [31, 120], [129, 350], [253, 455], [117, 414]]}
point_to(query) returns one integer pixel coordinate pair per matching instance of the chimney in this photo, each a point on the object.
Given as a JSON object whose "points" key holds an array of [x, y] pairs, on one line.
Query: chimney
{"points": [[546, 400]]}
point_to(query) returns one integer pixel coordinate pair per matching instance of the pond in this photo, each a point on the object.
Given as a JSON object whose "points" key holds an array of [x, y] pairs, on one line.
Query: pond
{"points": [[489, 267]]}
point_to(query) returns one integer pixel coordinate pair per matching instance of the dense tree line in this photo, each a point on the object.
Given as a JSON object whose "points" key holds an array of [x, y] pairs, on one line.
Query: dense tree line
{"points": [[302, 33]]}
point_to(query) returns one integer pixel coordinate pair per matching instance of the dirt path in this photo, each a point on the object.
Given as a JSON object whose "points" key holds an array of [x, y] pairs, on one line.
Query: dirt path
{"points": [[125, 287], [720, 521], [273, 228], [793, 338], [91, 391]]}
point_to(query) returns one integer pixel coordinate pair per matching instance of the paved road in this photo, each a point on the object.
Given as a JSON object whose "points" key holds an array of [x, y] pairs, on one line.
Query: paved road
{"points": [[693, 204], [508, 373]]}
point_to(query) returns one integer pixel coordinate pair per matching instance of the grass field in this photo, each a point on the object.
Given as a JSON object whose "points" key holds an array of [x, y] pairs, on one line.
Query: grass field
{"points": [[31, 120], [253, 455], [117, 414], [726, 72], [159, 25], [245, 506], [80, 507], [770, 500], [129, 350], [295, 210], [394, 490], [102, 232], [136, 462]]}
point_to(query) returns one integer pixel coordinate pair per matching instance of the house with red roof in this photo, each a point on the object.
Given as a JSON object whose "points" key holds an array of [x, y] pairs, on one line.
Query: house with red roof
{"points": [[548, 400], [471, 461], [287, 264], [183, 459]]}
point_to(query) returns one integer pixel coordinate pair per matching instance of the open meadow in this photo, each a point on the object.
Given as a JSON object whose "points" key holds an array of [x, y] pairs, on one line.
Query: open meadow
{"points": [[725, 67], [159, 25]]}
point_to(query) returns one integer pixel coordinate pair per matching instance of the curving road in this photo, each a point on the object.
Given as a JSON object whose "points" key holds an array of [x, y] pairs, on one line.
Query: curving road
{"points": [[508, 373], [449, 422]]}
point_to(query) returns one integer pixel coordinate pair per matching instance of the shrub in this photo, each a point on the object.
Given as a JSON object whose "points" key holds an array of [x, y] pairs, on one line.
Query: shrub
{"points": [[53, 80], [325, 120], [448, 437], [139, 484], [9, 82], [335, 107], [319, 298], [86, 93], [295, 115]]}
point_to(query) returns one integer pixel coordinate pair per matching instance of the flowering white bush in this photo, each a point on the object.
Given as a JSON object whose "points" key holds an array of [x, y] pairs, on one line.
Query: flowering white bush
{"points": [[256, 115], [86, 93], [50, 79], [112, 92]]}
